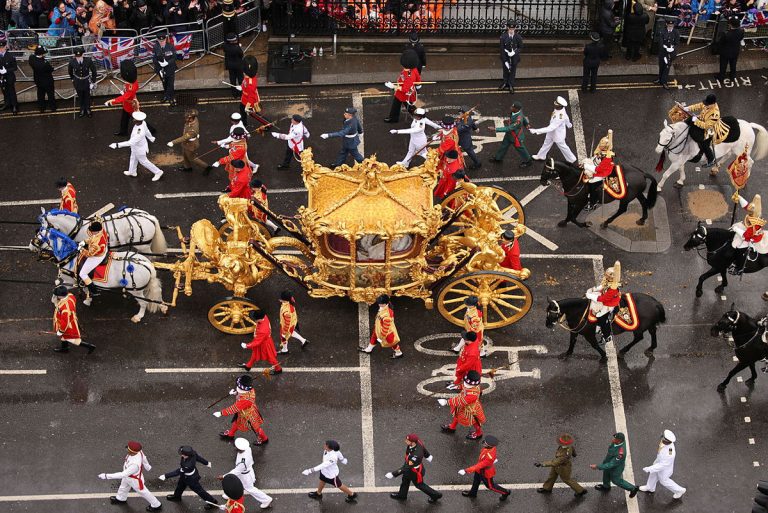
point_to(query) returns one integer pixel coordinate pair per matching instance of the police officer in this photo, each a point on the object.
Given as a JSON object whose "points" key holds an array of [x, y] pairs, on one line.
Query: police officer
{"points": [[82, 71], [189, 477], [8, 78], [164, 62], [668, 41], [42, 73], [510, 44], [351, 133]]}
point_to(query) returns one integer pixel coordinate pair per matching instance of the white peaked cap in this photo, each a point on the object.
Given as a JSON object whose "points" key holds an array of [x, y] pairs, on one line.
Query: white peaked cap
{"points": [[669, 435], [235, 116], [242, 443], [139, 116], [419, 111], [561, 101]]}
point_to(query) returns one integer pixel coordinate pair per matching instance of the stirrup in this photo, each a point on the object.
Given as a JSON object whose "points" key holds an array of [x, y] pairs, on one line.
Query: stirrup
{"points": [[735, 271]]}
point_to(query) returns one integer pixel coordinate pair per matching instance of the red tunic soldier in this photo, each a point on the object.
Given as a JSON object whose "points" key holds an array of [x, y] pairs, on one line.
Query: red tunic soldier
{"points": [[262, 346], [466, 408], [127, 100], [250, 102], [485, 470], [468, 360], [65, 320], [68, 196], [234, 493], [385, 332], [405, 89], [247, 415], [289, 321]]}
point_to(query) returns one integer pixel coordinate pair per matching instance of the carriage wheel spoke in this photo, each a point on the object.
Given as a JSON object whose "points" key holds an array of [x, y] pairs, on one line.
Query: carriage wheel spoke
{"points": [[451, 312], [498, 311], [508, 305], [454, 300]]}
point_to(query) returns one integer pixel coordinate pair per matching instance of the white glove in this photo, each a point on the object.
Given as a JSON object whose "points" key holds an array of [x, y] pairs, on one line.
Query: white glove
{"points": [[244, 345], [113, 146], [170, 144], [743, 43], [306, 472], [389, 475], [239, 88], [162, 477], [232, 391], [694, 119], [345, 461], [275, 135], [93, 86], [108, 103], [59, 333], [102, 476], [81, 245], [462, 472], [163, 64], [430, 458], [323, 136], [436, 137], [393, 131], [209, 465], [506, 64], [534, 131], [647, 470], [389, 85], [215, 164], [442, 402], [3, 71], [217, 414]]}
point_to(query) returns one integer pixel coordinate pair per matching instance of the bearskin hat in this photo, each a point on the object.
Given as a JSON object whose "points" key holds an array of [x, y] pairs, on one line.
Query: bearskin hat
{"points": [[409, 59], [128, 71], [250, 65]]}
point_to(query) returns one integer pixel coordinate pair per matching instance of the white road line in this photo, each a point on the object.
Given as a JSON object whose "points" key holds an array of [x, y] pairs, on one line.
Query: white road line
{"points": [[23, 372], [176, 195], [541, 239], [578, 124], [531, 195], [357, 103], [577, 256], [506, 179], [272, 491], [366, 396], [52, 201], [208, 370]]}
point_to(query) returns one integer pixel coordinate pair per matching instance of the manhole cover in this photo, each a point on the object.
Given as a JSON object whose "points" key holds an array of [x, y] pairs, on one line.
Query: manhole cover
{"points": [[707, 204]]}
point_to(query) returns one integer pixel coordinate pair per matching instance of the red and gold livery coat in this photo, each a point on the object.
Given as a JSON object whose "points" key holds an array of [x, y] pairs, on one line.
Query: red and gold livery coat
{"points": [[288, 320], [97, 245], [384, 328], [466, 407], [65, 318], [473, 321], [248, 416], [68, 199]]}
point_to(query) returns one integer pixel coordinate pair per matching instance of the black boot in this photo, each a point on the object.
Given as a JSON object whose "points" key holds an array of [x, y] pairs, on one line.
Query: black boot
{"points": [[63, 348], [90, 347], [709, 154], [605, 328]]}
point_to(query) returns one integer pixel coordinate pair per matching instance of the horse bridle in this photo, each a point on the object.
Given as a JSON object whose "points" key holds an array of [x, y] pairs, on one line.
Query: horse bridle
{"points": [[550, 165], [672, 139], [563, 322]]}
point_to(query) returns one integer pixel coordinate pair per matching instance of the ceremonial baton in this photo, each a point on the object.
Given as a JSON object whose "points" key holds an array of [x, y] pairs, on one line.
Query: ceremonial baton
{"points": [[216, 402], [230, 85], [43, 332], [492, 373], [399, 86], [220, 506], [116, 88]]}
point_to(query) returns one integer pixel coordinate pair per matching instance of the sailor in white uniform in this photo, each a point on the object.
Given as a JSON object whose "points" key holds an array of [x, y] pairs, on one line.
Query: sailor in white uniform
{"points": [[132, 478], [555, 131], [663, 466], [418, 143], [139, 147], [329, 472], [244, 472]]}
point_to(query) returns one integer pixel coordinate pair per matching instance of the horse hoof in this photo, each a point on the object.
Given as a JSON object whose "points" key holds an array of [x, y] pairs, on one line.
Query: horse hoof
{"points": [[640, 222], [603, 225], [721, 388], [750, 382], [562, 223], [719, 289], [564, 356], [699, 292], [136, 319]]}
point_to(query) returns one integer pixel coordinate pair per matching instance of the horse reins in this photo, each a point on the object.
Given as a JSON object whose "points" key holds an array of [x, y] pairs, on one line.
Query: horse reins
{"points": [[672, 149], [563, 323]]}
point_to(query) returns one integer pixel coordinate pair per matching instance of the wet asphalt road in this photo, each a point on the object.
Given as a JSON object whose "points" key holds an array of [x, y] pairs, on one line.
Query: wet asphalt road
{"points": [[60, 429]]}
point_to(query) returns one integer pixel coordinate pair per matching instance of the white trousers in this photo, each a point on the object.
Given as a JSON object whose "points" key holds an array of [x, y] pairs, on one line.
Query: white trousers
{"points": [[248, 481], [664, 479], [141, 158], [89, 265], [128, 483], [564, 149], [414, 146]]}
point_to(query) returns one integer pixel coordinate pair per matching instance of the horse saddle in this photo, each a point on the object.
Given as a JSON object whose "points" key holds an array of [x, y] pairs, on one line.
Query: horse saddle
{"points": [[100, 273], [615, 184], [625, 315]]}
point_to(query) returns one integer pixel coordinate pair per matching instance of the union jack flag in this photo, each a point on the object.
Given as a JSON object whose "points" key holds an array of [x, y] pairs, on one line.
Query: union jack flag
{"points": [[111, 51], [182, 42]]}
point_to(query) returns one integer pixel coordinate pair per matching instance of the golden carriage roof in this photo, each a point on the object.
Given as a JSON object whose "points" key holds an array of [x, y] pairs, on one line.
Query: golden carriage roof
{"points": [[370, 198]]}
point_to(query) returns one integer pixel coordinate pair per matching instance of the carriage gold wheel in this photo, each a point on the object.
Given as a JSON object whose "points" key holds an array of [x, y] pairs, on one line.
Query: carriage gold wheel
{"points": [[231, 315], [504, 299], [511, 209]]}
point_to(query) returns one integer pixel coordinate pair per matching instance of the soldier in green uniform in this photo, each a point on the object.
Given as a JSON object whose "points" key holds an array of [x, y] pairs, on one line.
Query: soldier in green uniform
{"points": [[613, 467], [560, 467], [514, 136]]}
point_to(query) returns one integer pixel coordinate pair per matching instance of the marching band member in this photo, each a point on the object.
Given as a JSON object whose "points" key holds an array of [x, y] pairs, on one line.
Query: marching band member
{"points": [[237, 149], [706, 126], [468, 360], [417, 145], [262, 346], [189, 476], [384, 332], [329, 472], [748, 233], [558, 123], [485, 470], [295, 139], [466, 408], [473, 321], [289, 321], [597, 167], [244, 472], [139, 147], [239, 183], [604, 298], [259, 195], [247, 415], [94, 249], [450, 165], [68, 195], [65, 320], [190, 142], [405, 89], [132, 478], [413, 471], [663, 466]]}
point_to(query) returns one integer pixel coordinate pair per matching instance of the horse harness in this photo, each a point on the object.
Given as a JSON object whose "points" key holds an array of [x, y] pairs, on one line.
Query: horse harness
{"points": [[128, 214], [563, 322], [680, 144]]}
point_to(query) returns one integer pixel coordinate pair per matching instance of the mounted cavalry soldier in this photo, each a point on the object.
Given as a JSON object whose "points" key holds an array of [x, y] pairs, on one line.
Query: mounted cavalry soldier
{"points": [[604, 299], [94, 250], [748, 234], [706, 127], [598, 167]]}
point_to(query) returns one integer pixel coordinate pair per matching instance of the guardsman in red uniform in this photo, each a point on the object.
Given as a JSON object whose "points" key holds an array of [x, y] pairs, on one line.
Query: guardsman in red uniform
{"points": [[473, 321], [237, 150], [605, 297], [413, 471], [239, 183], [65, 320], [450, 166], [289, 321], [94, 250], [259, 195], [250, 102], [248, 417], [466, 408], [484, 470], [262, 346], [405, 89], [68, 195], [234, 493], [384, 332], [468, 360], [127, 100]]}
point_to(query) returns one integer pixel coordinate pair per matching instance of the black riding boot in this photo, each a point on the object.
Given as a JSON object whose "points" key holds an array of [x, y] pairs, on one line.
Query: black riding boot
{"points": [[592, 195], [709, 153], [63, 348], [739, 261], [604, 323], [90, 347]]}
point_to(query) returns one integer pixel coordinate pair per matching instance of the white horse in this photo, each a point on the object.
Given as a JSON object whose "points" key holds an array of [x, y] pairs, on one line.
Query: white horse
{"points": [[129, 228], [129, 272], [675, 143]]}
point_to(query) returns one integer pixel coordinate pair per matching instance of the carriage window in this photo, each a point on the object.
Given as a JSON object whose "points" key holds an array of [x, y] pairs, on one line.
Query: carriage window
{"points": [[370, 248]]}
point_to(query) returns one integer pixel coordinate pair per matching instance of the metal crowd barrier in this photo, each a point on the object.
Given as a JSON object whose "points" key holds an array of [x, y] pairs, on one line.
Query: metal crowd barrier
{"points": [[249, 20]]}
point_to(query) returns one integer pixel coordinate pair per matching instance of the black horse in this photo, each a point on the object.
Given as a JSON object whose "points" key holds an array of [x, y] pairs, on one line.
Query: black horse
{"points": [[573, 313], [748, 337], [577, 191], [720, 255]]}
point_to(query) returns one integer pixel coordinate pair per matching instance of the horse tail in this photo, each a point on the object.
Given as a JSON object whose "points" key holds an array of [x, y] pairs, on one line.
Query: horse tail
{"points": [[159, 244], [653, 193], [661, 314], [761, 141], [154, 293]]}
